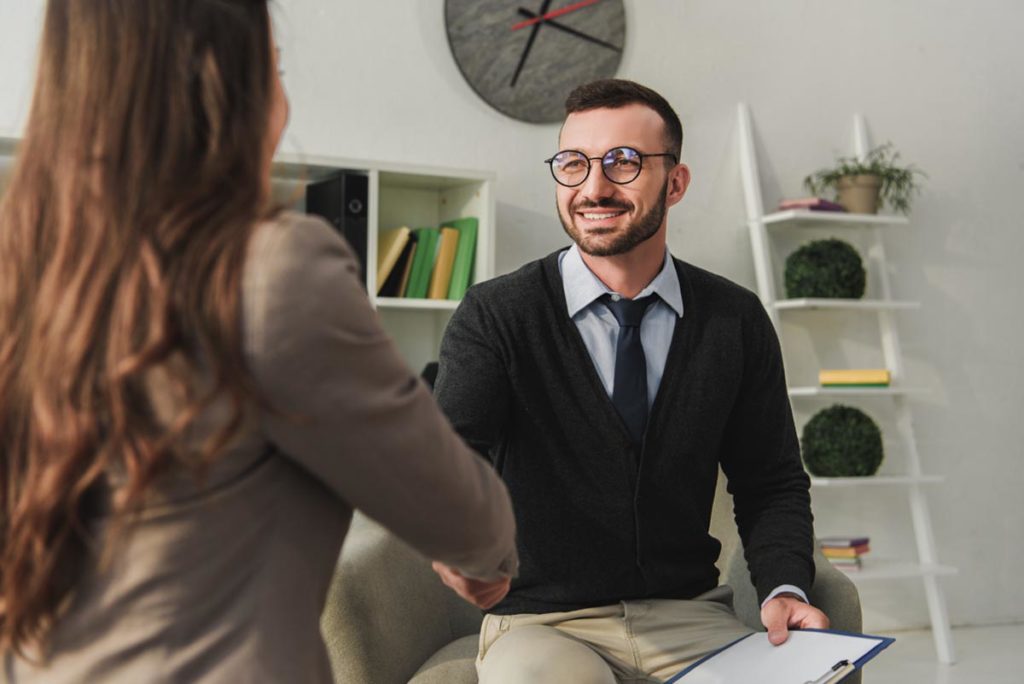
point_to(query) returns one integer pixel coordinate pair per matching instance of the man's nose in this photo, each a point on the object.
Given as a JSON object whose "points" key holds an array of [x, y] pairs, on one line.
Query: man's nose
{"points": [[596, 186]]}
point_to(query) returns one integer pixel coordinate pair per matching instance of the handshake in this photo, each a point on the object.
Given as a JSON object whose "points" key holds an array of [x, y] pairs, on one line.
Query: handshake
{"points": [[481, 593]]}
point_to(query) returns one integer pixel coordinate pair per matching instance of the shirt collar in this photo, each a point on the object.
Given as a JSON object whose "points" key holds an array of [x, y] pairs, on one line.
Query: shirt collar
{"points": [[582, 287]]}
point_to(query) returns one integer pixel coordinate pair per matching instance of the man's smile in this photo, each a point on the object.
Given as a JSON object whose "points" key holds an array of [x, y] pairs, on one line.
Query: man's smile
{"points": [[598, 216]]}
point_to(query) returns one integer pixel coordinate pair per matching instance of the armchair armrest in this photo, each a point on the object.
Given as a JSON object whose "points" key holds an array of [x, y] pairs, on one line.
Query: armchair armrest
{"points": [[833, 593], [387, 612]]}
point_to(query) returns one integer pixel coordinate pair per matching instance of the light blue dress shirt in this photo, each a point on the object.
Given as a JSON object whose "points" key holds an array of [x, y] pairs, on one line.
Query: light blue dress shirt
{"points": [[600, 330]]}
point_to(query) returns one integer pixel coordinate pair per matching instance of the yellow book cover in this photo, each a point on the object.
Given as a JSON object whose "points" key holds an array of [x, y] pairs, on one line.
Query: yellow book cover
{"points": [[390, 247], [852, 552], [868, 376], [442, 275]]}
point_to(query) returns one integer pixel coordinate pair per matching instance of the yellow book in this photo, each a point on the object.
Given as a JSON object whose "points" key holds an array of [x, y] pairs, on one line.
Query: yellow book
{"points": [[852, 552], [390, 247], [876, 377], [442, 275]]}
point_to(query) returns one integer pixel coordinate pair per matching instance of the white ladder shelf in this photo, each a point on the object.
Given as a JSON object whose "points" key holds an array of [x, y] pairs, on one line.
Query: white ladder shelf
{"points": [[927, 567]]}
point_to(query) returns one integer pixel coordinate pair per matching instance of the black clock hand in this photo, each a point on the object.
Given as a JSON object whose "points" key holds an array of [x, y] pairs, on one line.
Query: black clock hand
{"points": [[562, 27], [529, 43]]}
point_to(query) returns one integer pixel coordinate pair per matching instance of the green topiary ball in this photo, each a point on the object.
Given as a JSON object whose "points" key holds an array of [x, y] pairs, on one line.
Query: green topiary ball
{"points": [[841, 441], [827, 269]]}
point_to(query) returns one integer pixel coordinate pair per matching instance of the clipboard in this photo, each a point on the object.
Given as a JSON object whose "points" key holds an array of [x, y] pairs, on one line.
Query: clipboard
{"points": [[809, 656]]}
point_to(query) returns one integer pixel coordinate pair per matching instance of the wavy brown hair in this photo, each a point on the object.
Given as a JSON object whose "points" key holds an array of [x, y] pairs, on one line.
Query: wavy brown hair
{"points": [[123, 235]]}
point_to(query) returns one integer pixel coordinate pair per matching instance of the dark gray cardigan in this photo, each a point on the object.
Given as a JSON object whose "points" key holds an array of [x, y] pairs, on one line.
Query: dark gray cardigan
{"points": [[598, 523]]}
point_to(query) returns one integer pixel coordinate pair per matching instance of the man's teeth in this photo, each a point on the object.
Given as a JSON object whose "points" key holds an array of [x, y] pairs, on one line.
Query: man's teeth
{"points": [[598, 217]]}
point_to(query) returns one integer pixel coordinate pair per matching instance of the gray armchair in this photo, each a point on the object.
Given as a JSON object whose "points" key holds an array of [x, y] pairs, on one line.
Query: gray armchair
{"points": [[389, 620]]}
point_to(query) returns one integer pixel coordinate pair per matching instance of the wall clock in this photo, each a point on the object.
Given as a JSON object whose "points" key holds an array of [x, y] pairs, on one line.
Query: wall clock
{"points": [[524, 56]]}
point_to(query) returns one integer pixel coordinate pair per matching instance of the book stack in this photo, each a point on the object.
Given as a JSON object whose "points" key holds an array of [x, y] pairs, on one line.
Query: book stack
{"points": [[867, 377], [427, 263], [810, 204], [845, 552]]}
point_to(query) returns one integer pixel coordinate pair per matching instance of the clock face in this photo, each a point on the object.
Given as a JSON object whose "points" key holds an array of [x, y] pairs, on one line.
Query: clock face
{"points": [[524, 56]]}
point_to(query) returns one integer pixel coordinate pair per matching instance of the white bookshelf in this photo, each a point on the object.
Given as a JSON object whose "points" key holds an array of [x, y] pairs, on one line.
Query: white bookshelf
{"points": [[767, 232], [405, 195]]}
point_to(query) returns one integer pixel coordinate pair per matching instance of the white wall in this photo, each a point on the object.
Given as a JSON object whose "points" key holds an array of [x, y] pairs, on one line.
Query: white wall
{"points": [[939, 78]]}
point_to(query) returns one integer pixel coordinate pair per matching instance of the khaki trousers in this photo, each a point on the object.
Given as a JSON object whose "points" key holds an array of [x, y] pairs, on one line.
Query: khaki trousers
{"points": [[631, 641]]}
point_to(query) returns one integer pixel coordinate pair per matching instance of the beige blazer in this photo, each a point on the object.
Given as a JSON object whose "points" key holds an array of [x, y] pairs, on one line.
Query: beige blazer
{"points": [[226, 582]]}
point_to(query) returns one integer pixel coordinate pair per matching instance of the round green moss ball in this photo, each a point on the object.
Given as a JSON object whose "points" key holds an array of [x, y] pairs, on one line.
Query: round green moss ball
{"points": [[830, 269], [841, 441]]}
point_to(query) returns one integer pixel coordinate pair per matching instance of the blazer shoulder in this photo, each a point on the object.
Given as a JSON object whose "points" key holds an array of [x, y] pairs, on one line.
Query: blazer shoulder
{"points": [[291, 235], [299, 273]]}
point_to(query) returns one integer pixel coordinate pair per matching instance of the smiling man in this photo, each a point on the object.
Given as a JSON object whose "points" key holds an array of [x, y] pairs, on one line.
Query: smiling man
{"points": [[606, 383]]}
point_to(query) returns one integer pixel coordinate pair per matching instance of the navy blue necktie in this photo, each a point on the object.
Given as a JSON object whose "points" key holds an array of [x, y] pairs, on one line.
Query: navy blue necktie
{"points": [[629, 389]]}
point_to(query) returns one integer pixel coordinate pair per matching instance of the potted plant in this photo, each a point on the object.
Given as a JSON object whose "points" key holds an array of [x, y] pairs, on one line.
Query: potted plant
{"points": [[841, 441], [830, 269], [863, 186]]}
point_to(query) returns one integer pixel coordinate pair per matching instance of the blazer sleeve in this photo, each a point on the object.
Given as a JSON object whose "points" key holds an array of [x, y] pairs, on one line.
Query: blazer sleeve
{"points": [[346, 408]]}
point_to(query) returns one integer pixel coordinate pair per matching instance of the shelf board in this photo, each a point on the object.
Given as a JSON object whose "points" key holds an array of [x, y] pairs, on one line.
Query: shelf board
{"points": [[420, 304], [883, 569], [849, 304], [872, 480], [814, 391], [306, 166], [804, 217]]}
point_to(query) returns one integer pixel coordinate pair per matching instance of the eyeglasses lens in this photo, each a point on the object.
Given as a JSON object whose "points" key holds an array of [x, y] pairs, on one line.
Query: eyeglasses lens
{"points": [[570, 168], [621, 165]]}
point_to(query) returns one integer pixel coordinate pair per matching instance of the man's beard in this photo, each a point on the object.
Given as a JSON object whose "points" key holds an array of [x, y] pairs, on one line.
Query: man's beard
{"points": [[640, 230]]}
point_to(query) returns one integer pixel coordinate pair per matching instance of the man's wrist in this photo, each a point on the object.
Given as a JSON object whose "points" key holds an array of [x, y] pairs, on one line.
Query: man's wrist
{"points": [[789, 590]]}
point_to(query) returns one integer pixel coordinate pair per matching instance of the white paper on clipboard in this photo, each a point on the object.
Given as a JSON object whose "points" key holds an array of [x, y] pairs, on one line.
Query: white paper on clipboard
{"points": [[804, 657]]}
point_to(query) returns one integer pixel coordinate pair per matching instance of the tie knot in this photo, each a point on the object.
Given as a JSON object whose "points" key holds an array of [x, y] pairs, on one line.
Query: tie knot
{"points": [[628, 312]]}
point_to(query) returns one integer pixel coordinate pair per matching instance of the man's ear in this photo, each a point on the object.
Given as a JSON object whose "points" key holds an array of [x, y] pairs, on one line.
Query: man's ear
{"points": [[678, 182]]}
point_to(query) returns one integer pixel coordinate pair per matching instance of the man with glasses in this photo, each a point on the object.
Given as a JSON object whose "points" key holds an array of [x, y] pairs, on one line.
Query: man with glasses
{"points": [[607, 382]]}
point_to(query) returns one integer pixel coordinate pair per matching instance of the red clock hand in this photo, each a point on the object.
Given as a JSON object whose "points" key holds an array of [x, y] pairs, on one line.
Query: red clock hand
{"points": [[553, 14]]}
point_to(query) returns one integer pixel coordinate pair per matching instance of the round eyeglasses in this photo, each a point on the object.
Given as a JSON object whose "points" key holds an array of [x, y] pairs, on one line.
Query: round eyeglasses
{"points": [[620, 165]]}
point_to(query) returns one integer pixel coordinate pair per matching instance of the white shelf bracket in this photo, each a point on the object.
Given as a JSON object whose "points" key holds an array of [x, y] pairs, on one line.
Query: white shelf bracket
{"points": [[755, 214]]}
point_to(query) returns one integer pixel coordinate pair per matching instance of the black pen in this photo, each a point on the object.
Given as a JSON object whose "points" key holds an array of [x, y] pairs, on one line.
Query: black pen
{"points": [[836, 674]]}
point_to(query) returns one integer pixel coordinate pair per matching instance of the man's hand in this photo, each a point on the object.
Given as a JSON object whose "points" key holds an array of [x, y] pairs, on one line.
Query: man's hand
{"points": [[481, 594], [783, 612]]}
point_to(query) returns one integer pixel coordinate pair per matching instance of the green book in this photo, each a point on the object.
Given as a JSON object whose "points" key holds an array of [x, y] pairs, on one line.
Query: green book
{"points": [[423, 262], [465, 253]]}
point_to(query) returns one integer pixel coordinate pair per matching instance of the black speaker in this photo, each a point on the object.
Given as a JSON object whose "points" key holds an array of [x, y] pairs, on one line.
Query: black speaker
{"points": [[341, 199]]}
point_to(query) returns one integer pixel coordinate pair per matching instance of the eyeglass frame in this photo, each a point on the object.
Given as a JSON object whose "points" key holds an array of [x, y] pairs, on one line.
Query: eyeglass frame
{"points": [[640, 155]]}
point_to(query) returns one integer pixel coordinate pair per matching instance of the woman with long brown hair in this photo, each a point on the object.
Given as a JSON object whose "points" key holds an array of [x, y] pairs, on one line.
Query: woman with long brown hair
{"points": [[194, 391]]}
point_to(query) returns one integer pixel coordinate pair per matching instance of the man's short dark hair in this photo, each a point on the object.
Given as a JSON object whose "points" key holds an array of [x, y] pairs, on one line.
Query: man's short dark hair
{"points": [[613, 93]]}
